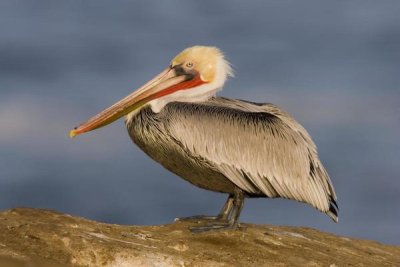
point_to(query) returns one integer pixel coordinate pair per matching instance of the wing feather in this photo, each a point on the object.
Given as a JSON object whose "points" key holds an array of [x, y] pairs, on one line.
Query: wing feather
{"points": [[259, 147]]}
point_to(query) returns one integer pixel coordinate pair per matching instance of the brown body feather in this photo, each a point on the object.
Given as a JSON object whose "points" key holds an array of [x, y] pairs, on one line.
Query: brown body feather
{"points": [[221, 144]]}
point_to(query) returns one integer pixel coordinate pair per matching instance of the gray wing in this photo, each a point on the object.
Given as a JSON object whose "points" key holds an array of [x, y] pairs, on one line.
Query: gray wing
{"points": [[259, 147]]}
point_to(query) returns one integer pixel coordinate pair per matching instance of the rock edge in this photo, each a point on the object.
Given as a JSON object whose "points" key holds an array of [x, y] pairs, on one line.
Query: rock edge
{"points": [[35, 237]]}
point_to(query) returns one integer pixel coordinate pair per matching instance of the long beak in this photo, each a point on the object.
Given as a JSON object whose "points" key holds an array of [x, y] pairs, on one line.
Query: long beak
{"points": [[165, 83]]}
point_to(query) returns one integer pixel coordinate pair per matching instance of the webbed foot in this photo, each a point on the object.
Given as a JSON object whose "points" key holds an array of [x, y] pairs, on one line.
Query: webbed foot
{"points": [[227, 219], [214, 226], [197, 218]]}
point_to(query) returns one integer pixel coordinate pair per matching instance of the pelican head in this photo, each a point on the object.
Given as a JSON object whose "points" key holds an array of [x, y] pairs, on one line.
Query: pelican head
{"points": [[194, 75]]}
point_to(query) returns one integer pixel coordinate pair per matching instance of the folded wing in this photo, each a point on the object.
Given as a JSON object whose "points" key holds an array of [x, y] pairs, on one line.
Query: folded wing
{"points": [[259, 147]]}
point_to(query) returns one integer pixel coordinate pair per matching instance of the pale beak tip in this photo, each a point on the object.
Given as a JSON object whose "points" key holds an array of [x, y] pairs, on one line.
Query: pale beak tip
{"points": [[73, 133]]}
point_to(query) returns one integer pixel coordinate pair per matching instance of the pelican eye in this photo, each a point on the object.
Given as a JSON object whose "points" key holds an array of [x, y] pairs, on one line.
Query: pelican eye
{"points": [[189, 65]]}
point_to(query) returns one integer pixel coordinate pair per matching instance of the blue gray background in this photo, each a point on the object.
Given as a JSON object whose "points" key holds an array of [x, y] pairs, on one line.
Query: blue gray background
{"points": [[333, 64]]}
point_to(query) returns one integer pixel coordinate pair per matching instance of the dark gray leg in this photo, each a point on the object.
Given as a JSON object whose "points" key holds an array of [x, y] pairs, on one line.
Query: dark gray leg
{"points": [[226, 209], [223, 214], [238, 204], [230, 215]]}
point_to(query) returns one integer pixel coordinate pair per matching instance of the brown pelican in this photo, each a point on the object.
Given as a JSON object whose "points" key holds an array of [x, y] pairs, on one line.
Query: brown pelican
{"points": [[236, 147]]}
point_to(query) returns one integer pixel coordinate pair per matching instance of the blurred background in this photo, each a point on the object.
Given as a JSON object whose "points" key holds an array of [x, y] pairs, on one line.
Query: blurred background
{"points": [[333, 65]]}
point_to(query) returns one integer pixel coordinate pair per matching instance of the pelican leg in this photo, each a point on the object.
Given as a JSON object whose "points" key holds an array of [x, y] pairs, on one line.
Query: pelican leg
{"points": [[231, 218], [222, 215], [226, 209]]}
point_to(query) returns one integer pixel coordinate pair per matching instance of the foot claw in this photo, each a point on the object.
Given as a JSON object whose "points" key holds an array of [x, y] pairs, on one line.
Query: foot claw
{"points": [[222, 226]]}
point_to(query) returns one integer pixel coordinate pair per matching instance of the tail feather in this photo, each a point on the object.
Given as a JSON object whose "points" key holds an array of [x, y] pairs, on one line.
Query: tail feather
{"points": [[333, 201], [333, 210]]}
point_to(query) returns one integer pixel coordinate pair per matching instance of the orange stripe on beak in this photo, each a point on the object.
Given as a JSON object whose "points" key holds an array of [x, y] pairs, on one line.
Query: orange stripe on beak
{"points": [[196, 81]]}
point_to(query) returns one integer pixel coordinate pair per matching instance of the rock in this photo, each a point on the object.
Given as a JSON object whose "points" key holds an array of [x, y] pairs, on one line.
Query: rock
{"points": [[34, 237]]}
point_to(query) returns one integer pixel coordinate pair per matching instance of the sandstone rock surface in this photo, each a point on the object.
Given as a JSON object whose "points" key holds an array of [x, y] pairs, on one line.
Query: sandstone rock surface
{"points": [[34, 237]]}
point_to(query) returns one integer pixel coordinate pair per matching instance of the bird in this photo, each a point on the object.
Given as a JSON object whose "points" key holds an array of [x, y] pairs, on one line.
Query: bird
{"points": [[241, 148]]}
